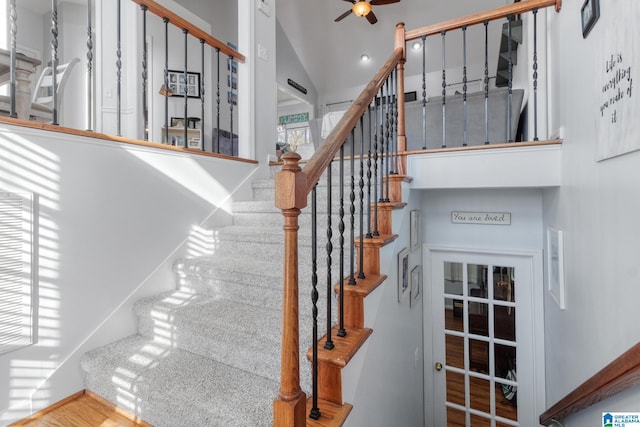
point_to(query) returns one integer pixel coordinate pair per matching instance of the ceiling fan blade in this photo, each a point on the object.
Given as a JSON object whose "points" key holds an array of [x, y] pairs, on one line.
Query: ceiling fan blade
{"points": [[344, 15], [371, 17], [353, 1], [382, 2]]}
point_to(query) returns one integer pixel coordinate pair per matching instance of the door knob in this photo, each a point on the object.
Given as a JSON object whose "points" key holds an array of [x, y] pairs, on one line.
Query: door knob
{"points": [[438, 366]]}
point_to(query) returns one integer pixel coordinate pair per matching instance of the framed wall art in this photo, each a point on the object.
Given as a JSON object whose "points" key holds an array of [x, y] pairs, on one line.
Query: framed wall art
{"points": [[403, 275], [179, 84]]}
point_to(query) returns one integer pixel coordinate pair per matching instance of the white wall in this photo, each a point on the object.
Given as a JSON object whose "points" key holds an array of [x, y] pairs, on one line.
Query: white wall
{"points": [[112, 218], [597, 210], [288, 66]]}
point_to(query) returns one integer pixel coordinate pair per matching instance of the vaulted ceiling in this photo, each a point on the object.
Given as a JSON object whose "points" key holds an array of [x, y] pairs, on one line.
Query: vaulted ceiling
{"points": [[330, 51]]}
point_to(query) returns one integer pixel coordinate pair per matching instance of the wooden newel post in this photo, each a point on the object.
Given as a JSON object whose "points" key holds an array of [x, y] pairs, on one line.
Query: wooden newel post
{"points": [[290, 196], [402, 136]]}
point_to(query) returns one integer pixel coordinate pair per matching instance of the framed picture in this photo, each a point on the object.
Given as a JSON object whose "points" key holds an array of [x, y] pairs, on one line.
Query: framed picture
{"points": [[177, 122], [403, 274], [555, 266], [416, 286], [179, 84], [194, 143], [415, 230], [590, 12]]}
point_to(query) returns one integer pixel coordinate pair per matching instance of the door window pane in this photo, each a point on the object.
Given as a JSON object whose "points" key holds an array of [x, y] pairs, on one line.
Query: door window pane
{"points": [[455, 388], [455, 351], [453, 314], [503, 284], [477, 280], [455, 418], [453, 278], [504, 322], [480, 394]]}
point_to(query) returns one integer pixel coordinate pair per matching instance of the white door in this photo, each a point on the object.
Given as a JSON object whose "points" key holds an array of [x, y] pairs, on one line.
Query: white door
{"points": [[483, 339]]}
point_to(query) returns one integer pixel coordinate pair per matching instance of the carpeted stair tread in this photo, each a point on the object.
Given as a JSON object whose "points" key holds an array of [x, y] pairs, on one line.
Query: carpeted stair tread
{"points": [[167, 386]]}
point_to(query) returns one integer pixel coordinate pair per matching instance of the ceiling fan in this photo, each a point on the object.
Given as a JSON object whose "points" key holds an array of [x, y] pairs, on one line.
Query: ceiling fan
{"points": [[363, 8]]}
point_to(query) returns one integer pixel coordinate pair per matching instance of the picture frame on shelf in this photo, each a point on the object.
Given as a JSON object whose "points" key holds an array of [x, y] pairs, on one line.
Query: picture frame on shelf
{"points": [[179, 83], [416, 286], [403, 275], [415, 237], [194, 144], [177, 122]]}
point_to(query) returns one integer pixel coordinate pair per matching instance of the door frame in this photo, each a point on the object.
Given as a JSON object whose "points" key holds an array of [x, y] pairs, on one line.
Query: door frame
{"points": [[537, 307]]}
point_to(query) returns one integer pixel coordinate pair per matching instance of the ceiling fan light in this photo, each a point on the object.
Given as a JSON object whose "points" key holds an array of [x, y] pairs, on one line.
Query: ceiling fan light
{"points": [[361, 8]]}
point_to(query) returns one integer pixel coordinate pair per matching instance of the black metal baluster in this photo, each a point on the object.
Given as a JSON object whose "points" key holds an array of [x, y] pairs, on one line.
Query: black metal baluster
{"points": [[118, 69], [444, 91], [486, 81], [361, 183], [315, 411], [145, 103], [202, 98], [352, 210], [376, 138], [424, 92], [166, 81], [369, 235], [230, 81], [535, 74], [90, 67], [13, 31], [510, 103], [217, 102], [54, 59], [328, 345], [382, 142], [342, 332], [394, 115], [186, 86], [386, 142], [464, 85]]}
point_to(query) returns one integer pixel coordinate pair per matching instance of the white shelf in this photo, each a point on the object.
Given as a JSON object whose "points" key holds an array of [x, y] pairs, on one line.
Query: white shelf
{"points": [[176, 137]]}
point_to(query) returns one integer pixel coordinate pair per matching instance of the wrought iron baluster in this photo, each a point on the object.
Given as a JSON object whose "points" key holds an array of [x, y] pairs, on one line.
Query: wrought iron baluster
{"points": [[424, 92], [13, 32], [54, 59], [369, 235], [535, 74], [352, 210], [90, 67], [186, 86], [361, 184], [464, 85], [315, 411], [386, 142], [510, 103], [118, 69], [328, 345], [202, 96], [376, 138], [342, 332], [166, 81], [382, 142], [217, 101], [394, 125], [444, 91], [145, 102], [231, 100], [486, 82]]}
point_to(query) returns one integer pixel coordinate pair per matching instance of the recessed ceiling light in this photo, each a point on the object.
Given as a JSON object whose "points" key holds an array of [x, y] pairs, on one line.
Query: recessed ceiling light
{"points": [[416, 45], [364, 57]]}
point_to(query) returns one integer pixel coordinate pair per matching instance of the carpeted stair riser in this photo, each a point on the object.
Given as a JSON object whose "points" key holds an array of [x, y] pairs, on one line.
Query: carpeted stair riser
{"points": [[170, 387]]}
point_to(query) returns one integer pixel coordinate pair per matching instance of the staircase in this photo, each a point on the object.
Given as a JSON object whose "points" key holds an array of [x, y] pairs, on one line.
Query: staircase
{"points": [[208, 353]]}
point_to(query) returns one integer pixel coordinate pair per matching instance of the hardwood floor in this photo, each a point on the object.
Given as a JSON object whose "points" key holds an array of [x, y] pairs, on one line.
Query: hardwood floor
{"points": [[83, 409]]}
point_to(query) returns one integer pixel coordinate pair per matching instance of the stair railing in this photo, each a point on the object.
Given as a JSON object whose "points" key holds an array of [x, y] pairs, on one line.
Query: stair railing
{"points": [[512, 33], [368, 126]]}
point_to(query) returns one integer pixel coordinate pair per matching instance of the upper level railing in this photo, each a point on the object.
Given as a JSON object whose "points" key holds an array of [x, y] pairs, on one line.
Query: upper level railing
{"points": [[131, 76], [377, 121]]}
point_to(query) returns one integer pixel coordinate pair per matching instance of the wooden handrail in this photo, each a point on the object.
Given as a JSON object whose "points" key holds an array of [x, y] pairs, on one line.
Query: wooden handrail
{"points": [[617, 376], [183, 24], [327, 151], [480, 17]]}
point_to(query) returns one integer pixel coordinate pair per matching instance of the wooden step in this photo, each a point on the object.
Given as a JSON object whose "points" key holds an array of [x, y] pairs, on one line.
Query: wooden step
{"points": [[371, 251], [331, 362], [354, 296], [331, 414], [385, 211], [395, 186]]}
